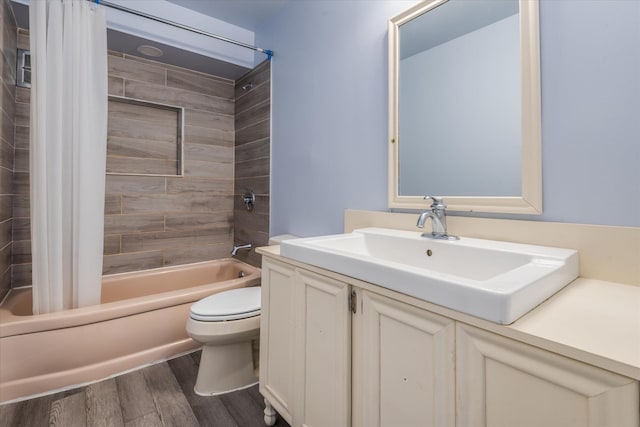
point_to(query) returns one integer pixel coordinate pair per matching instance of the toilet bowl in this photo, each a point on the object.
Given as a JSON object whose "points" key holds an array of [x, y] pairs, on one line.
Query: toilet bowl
{"points": [[225, 324]]}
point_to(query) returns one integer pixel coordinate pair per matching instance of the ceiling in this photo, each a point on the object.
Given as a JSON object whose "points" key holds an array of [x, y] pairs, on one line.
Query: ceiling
{"points": [[247, 14]]}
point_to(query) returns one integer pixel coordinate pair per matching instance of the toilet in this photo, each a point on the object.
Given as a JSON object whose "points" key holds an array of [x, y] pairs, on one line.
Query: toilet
{"points": [[225, 324]]}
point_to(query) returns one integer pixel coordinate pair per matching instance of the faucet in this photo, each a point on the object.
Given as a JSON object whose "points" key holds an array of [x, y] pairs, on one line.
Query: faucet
{"points": [[438, 218], [235, 250]]}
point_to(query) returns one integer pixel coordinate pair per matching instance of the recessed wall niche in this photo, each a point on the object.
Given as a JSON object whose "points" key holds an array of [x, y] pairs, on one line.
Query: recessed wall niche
{"points": [[144, 138]]}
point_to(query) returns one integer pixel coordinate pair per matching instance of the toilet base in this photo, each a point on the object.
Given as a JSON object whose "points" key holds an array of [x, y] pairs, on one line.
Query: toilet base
{"points": [[225, 368], [217, 393]]}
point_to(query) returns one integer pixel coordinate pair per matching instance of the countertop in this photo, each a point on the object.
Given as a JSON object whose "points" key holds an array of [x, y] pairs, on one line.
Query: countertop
{"points": [[594, 321]]}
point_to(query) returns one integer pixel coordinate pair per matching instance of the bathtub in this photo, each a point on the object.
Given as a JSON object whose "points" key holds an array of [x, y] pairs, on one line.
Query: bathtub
{"points": [[141, 319]]}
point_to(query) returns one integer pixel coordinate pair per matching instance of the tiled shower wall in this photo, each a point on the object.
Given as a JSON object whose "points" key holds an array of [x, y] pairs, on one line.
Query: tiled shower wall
{"points": [[156, 221], [252, 158], [152, 221], [7, 117]]}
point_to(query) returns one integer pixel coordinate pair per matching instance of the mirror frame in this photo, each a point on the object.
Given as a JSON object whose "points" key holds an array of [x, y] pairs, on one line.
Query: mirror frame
{"points": [[530, 200]]}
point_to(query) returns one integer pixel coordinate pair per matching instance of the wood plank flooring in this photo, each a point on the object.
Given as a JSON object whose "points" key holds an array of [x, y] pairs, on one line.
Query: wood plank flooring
{"points": [[157, 395]]}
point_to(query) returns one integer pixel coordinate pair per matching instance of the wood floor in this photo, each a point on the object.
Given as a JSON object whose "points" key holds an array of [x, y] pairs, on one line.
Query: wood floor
{"points": [[158, 395]]}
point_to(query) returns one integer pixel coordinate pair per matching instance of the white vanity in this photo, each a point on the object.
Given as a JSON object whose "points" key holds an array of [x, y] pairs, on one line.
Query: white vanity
{"points": [[338, 351]]}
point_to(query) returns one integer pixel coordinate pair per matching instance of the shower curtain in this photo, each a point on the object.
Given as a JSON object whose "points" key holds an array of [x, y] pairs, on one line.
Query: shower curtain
{"points": [[67, 152]]}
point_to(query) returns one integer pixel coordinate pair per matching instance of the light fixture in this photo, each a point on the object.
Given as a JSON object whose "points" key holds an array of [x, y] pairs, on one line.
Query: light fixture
{"points": [[147, 50]]}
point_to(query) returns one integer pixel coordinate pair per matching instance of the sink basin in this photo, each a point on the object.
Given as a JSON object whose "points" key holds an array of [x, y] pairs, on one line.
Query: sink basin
{"points": [[497, 281]]}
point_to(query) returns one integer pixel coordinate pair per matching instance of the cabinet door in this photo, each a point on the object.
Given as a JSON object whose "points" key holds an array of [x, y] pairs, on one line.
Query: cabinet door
{"points": [[322, 352], [276, 335], [404, 365], [502, 382]]}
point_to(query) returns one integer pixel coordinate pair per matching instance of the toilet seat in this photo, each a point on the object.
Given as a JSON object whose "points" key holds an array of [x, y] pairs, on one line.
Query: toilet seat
{"points": [[235, 304]]}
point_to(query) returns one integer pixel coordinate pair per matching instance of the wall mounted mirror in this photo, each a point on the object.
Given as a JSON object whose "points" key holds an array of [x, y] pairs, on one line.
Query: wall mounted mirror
{"points": [[464, 106]]}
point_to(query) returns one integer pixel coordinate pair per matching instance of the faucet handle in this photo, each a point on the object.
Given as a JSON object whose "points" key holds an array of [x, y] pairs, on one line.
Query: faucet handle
{"points": [[437, 202]]}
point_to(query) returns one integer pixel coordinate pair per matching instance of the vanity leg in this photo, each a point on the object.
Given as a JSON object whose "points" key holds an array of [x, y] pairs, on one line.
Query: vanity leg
{"points": [[269, 413]]}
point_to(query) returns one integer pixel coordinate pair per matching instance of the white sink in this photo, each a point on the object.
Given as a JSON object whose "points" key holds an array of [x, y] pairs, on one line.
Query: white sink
{"points": [[497, 281]]}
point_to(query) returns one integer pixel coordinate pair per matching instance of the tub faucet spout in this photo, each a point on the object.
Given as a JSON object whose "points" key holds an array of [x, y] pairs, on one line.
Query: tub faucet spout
{"points": [[235, 250]]}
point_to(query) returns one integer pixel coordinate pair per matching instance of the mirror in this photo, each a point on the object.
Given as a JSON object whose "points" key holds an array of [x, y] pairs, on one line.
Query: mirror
{"points": [[464, 106]]}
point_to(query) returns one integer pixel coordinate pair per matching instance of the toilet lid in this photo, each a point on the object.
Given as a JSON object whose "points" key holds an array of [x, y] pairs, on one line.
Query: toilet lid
{"points": [[228, 305]]}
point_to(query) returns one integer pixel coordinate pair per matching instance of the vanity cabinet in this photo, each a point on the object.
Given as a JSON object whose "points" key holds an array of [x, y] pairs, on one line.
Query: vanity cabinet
{"points": [[276, 338], [305, 347], [322, 352], [502, 382], [337, 353], [403, 356], [403, 361], [305, 333]]}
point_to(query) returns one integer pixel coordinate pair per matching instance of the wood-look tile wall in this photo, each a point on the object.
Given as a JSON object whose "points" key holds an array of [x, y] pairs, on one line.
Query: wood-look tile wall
{"points": [[8, 37], [21, 256], [252, 158], [152, 221]]}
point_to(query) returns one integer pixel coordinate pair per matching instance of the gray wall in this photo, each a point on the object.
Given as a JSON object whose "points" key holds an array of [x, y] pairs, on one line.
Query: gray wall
{"points": [[329, 111]]}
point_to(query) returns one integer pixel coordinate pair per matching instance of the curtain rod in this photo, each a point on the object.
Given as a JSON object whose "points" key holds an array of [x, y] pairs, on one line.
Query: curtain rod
{"points": [[267, 52]]}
